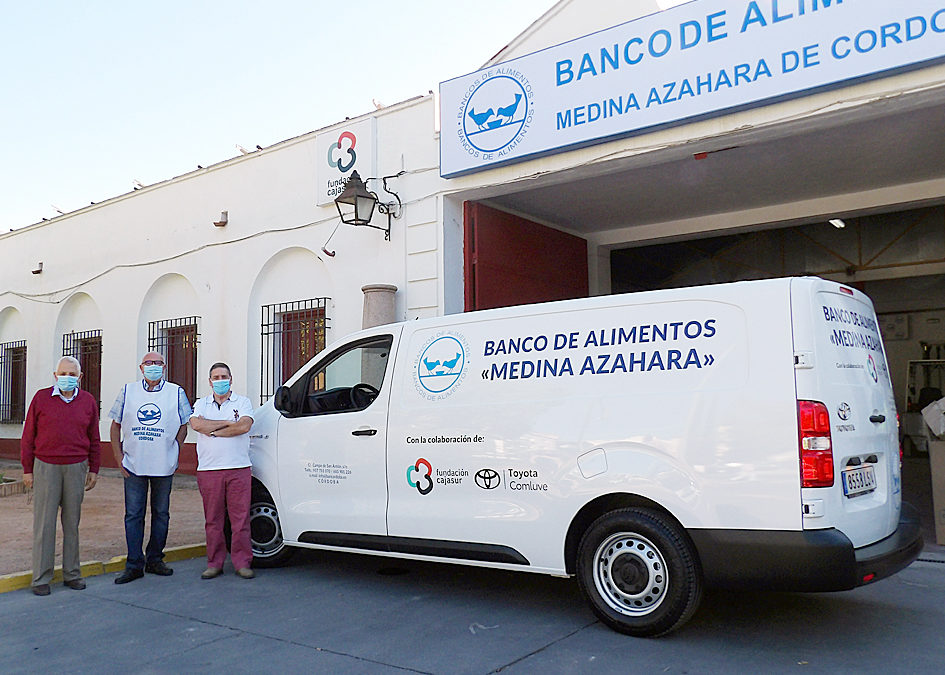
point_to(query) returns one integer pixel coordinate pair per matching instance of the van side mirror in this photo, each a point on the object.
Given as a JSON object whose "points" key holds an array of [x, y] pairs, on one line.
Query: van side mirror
{"points": [[281, 401]]}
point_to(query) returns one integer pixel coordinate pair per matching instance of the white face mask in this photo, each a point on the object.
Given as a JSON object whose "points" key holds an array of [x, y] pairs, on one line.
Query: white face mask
{"points": [[67, 382], [153, 373]]}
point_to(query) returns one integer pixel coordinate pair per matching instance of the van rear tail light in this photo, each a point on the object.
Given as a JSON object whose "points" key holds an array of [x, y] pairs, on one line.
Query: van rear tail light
{"points": [[815, 446]]}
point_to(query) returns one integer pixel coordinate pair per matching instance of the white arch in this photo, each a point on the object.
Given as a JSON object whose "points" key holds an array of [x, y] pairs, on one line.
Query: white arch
{"points": [[294, 273], [78, 314], [11, 325], [169, 297]]}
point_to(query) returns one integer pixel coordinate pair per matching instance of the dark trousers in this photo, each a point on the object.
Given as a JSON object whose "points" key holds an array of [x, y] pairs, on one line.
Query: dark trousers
{"points": [[136, 501]]}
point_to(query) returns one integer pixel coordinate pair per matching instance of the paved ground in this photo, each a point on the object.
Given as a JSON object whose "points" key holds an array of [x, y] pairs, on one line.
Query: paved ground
{"points": [[343, 613], [101, 529]]}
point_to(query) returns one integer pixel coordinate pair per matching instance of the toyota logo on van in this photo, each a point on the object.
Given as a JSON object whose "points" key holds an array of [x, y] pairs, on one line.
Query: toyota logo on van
{"points": [[488, 479]]}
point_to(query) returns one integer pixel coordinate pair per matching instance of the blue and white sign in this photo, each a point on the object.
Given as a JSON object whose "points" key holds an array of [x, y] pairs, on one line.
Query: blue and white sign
{"points": [[698, 59]]}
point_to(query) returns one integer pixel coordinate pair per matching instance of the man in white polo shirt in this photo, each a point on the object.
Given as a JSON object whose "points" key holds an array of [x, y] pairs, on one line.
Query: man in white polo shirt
{"points": [[223, 420]]}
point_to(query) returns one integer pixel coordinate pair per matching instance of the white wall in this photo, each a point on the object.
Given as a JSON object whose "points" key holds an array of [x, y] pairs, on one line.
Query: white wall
{"points": [[155, 254]]}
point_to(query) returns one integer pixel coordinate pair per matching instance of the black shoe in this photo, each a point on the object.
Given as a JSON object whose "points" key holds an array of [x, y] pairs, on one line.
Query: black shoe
{"points": [[41, 589], [158, 568], [129, 575], [75, 584]]}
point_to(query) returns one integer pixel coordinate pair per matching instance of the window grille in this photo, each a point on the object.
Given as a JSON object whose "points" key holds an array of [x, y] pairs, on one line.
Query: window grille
{"points": [[177, 340], [87, 348], [13, 382], [292, 333]]}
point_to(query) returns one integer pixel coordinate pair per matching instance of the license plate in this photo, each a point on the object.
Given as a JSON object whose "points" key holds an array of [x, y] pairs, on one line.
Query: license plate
{"points": [[859, 480]]}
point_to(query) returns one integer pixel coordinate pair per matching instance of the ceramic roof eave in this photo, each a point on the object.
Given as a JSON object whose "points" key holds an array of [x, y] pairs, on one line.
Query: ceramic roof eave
{"points": [[309, 135]]}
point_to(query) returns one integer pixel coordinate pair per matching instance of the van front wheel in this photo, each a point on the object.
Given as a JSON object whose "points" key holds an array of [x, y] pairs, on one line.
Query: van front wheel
{"points": [[639, 572], [269, 550]]}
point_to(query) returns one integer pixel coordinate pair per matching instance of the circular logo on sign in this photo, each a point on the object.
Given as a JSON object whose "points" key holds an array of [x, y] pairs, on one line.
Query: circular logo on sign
{"points": [[871, 368], [488, 479], [149, 414], [496, 112], [441, 364]]}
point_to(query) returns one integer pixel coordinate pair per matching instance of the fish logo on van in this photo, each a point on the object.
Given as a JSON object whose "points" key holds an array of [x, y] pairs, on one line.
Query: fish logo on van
{"points": [[441, 364]]}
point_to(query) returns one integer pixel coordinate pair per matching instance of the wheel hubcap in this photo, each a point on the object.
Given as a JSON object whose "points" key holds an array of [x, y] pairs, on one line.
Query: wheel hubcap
{"points": [[264, 530], [630, 574]]}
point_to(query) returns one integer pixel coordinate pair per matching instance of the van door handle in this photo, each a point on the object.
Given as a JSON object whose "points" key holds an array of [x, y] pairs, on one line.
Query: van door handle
{"points": [[878, 419], [364, 432]]}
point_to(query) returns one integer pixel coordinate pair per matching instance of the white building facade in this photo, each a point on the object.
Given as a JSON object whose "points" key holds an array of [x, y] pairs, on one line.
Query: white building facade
{"points": [[737, 181]]}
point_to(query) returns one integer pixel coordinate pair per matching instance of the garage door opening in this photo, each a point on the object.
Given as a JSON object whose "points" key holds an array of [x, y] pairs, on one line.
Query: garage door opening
{"points": [[510, 260]]}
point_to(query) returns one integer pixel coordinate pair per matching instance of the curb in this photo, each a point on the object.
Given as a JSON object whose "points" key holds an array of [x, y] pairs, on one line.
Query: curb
{"points": [[12, 488], [20, 580]]}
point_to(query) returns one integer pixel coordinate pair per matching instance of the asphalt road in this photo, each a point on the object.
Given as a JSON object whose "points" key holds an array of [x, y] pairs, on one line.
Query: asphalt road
{"points": [[342, 613]]}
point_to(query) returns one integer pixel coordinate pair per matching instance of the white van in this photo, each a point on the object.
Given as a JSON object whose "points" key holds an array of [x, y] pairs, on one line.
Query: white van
{"points": [[740, 435]]}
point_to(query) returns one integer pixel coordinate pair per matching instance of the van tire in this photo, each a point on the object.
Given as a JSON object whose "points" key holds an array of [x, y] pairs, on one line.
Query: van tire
{"points": [[660, 580], [269, 550]]}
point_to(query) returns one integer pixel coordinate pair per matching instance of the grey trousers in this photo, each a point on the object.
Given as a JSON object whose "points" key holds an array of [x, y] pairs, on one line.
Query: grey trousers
{"points": [[55, 486]]}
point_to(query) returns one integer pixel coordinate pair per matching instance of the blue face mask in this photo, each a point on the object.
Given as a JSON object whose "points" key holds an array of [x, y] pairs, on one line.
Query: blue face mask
{"points": [[153, 373], [67, 382], [221, 387]]}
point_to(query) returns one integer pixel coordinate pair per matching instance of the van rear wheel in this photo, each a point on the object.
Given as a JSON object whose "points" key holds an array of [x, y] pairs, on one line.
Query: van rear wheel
{"points": [[639, 572]]}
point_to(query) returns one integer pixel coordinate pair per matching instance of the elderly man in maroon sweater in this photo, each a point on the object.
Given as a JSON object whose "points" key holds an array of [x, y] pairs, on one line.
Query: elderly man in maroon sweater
{"points": [[60, 453]]}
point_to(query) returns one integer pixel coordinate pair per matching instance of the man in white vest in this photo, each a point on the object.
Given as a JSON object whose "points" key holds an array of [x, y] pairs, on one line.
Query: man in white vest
{"points": [[149, 423]]}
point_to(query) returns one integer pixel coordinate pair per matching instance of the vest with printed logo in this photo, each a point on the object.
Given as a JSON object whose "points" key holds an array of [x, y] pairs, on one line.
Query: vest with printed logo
{"points": [[150, 421]]}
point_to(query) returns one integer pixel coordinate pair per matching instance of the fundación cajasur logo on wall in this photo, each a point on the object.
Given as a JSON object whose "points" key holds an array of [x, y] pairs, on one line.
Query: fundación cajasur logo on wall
{"points": [[342, 151], [495, 114], [341, 155]]}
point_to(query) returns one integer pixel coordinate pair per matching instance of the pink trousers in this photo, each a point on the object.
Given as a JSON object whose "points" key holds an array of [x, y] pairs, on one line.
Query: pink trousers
{"points": [[227, 492]]}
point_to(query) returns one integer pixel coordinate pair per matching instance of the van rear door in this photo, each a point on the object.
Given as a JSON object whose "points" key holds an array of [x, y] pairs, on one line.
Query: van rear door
{"points": [[840, 361]]}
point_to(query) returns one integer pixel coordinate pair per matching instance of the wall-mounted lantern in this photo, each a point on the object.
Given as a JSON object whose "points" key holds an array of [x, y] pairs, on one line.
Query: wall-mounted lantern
{"points": [[356, 203]]}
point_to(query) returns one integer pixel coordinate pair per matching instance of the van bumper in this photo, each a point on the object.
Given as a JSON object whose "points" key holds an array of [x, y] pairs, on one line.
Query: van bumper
{"points": [[807, 560], [898, 550]]}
